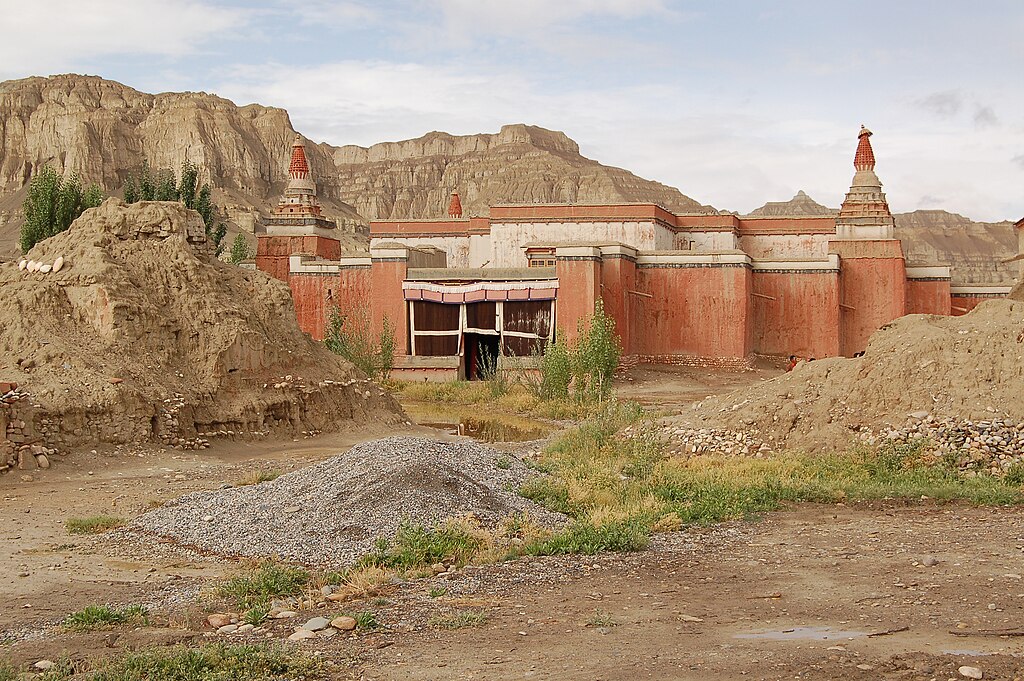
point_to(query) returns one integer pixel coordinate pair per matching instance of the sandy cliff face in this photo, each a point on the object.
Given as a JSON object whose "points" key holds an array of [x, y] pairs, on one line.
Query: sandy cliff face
{"points": [[103, 130]]}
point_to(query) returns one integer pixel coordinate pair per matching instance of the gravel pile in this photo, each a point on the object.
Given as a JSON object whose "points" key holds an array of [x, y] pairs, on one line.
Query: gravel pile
{"points": [[691, 441], [331, 512]]}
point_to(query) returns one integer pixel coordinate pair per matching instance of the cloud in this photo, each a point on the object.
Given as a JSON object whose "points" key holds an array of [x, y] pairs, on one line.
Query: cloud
{"points": [[44, 37], [1019, 160], [335, 13], [942, 104], [985, 117]]}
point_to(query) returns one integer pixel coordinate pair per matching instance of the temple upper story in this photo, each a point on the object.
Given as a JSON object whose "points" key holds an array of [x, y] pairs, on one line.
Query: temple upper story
{"points": [[299, 213], [865, 211]]}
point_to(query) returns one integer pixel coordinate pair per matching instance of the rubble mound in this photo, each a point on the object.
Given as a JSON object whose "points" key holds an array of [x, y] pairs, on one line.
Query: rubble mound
{"points": [[919, 367], [332, 512], [140, 334]]}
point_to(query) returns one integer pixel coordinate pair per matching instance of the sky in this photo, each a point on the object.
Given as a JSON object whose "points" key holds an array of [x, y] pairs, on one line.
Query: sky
{"points": [[734, 102]]}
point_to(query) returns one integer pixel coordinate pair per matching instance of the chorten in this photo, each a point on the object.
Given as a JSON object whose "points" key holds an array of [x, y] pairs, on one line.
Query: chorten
{"points": [[299, 211], [455, 207], [865, 212]]}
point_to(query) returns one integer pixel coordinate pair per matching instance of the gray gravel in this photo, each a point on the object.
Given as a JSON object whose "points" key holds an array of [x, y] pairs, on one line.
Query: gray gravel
{"points": [[332, 512]]}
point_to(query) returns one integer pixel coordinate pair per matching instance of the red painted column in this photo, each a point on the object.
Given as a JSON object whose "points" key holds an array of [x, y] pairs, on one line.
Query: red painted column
{"points": [[388, 269], [579, 286], [618, 288], [873, 288]]}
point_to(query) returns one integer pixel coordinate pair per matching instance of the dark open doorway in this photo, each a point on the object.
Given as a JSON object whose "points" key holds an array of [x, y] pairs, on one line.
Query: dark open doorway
{"points": [[481, 356]]}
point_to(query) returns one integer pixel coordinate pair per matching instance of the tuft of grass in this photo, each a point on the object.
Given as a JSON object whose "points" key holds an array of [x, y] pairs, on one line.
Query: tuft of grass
{"points": [[417, 546], [215, 662], [8, 672], [262, 583], [256, 477], [96, 524], [503, 462], [437, 592], [256, 615], [602, 619], [586, 538], [459, 620], [104, 616], [365, 620]]}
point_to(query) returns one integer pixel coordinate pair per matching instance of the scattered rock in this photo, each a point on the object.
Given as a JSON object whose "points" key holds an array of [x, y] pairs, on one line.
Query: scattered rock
{"points": [[218, 620], [302, 635], [971, 672], [228, 629], [344, 623], [317, 624], [284, 615]]}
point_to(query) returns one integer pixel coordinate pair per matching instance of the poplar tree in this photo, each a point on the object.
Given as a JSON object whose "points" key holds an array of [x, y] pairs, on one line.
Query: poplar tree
{"points": [[53, 203]]}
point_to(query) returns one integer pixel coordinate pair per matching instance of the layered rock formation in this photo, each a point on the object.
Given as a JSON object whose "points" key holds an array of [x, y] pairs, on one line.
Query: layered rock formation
{"points": [[977, 251], [104, 130]]}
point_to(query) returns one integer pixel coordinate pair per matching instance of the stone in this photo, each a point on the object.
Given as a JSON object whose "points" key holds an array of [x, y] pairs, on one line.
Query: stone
{"points": [[45, 268], [227, 629], [302, 635], [971, 672], [327, 590], [344, 623], [42, 461], [245, 628], [218, 620], [929, 561], [44, 665], [317, 624], [58, 263], [22, 264]]}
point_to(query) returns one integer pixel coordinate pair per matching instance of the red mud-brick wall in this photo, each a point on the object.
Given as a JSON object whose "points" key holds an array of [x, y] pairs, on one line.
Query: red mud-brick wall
{"points": [[873, 289], [272, 252], [693, 311], [962, 304], [315, 295], [928, 296], [618, 285], [579, 285], [799, 316], [387, 299]]}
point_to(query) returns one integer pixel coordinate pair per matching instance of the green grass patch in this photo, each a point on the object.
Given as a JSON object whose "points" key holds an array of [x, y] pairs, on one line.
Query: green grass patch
{"points": [[585, 538], [262, 583], [96, 524], [8, 672], [104, 617], [217, 662], [458, 620], [417, 546], [602, 619], [437, 592], [365, 620]]}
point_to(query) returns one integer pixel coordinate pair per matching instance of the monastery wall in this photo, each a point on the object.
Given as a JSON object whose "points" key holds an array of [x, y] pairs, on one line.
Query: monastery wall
{"points": [[706, 241], [461, 250], [699, 306], [796, 308], [273, 252], [786, 246], [509, 239], [873, 289]]}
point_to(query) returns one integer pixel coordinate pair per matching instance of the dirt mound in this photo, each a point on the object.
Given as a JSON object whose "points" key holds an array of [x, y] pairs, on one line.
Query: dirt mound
{"points": [[332, 512], [969, 367], [142, 335]]}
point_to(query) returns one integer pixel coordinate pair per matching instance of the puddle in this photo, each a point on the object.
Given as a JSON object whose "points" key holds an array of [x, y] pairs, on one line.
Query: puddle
{"points": [[968, 653], [490, 430], [803, 634]]}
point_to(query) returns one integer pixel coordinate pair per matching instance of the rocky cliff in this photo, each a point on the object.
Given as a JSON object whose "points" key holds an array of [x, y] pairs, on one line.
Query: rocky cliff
{"points": [[977, 251], [104, 130]]}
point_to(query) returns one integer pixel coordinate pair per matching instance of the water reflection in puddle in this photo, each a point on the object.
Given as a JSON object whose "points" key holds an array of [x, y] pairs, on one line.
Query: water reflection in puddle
{"points": [[802, 634], [488, 430]]}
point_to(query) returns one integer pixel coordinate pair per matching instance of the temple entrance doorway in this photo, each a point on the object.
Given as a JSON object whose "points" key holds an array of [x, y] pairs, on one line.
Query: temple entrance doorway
{"points": [[481, 356]]}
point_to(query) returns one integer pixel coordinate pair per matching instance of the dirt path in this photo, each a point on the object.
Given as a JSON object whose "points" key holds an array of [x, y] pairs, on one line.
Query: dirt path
{"points": [[795, 596]]}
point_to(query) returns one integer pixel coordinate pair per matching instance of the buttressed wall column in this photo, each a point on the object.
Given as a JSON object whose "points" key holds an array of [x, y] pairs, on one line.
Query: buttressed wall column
{"points": [[872, 280], [618, 288], [579, 286], [389, 267]]}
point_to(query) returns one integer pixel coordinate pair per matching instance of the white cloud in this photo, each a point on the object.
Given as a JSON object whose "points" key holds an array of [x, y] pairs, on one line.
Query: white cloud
{"points": [[57, 35]]}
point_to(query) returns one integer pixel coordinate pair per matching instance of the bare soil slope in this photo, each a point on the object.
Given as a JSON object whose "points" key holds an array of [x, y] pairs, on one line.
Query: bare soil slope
{"points": [[143, 334], [969, 367]]}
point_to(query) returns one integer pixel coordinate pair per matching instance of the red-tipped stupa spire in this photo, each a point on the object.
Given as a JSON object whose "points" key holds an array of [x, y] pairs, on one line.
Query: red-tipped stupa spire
{"points": [[864, 159], [298, 168], [455, 207]]}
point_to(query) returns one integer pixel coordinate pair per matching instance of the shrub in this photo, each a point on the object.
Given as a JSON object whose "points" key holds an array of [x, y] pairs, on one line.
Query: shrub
{"points": [[240, 249], [582, 369], [351, 338]]}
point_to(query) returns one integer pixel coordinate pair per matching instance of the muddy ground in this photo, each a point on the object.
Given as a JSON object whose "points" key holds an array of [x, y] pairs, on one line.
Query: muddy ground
{"points": [[880, 591]]}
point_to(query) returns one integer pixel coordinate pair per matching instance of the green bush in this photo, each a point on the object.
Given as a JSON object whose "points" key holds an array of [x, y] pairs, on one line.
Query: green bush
{"points": [[240, 249], [350, 337], [582, 369], [53, 203]]}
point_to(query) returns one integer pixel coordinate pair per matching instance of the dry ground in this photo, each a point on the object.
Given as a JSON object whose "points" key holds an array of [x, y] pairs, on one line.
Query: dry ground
{"points": [[795, 595]]}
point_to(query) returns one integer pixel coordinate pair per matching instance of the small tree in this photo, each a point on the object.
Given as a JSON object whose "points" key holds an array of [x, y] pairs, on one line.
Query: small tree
{"points": [[161, 185], [240, 249], [53, 203], [351, 339], [582, 369]]}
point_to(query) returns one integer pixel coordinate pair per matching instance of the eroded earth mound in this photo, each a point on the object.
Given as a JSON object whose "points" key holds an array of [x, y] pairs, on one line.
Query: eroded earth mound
{"points": [[141, 335]]}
